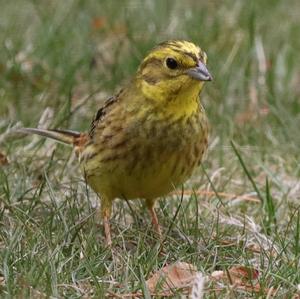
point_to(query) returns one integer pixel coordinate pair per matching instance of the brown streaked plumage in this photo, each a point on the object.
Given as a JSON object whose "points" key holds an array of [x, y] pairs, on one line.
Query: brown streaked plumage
{"points": [[151, 135]]}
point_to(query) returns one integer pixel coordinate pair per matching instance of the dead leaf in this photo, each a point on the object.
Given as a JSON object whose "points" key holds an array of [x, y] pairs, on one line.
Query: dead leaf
{"points": [[241, 277], [3, 159], [98, 23], [175, 276], [237, 274], [243, 273]]}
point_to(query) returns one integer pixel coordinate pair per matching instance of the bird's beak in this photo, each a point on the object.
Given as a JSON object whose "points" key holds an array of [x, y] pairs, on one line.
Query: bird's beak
{"points": [[200, 72]]}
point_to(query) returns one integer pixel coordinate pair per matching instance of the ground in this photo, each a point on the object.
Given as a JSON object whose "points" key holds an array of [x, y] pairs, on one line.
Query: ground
{"points": [[60, 60]]}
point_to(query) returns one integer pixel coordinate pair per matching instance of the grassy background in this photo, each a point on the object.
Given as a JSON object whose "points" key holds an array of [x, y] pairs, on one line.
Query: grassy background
{"points": [[61, 59]]}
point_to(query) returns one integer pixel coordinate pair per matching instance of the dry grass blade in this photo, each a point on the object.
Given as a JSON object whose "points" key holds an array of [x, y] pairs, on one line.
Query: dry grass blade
{"points": [[229, 196], [197, 291]]}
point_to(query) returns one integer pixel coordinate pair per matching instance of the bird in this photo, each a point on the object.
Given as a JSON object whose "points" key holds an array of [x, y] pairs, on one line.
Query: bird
{"points": [[149, 137]]}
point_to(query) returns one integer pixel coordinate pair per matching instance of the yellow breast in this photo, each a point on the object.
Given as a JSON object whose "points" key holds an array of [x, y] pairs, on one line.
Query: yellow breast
{"points": [[146, 159]]}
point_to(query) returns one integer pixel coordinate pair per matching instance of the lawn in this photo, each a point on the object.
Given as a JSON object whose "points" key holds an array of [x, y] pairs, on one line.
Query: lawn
{"points": [[59, 61]]}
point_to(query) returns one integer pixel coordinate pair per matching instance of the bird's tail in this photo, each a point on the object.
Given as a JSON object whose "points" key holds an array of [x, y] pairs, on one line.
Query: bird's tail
{"points": [[65, 136]]}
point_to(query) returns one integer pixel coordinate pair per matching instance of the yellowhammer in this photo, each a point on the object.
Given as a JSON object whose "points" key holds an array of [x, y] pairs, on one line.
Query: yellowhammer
{"points": [[151, 135]]}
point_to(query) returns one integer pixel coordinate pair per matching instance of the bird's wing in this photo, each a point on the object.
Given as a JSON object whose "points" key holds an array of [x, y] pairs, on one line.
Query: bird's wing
{"points": [[102, 112]]}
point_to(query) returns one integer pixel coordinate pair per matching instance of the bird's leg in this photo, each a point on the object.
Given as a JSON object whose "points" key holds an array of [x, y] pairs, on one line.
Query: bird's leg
{"points": [[150, 206], [107, 230], [106, 211]]}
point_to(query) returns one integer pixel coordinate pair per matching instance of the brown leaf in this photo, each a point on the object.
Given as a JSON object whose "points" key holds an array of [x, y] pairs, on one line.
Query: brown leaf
{"points": [[241, 277], [3, 159], [177, 275], [244, 273], [98, 23], [237, 274]]}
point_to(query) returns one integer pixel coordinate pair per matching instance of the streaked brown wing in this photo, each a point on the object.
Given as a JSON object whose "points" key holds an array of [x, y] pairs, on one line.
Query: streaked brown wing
{"points": [[109, 103]]}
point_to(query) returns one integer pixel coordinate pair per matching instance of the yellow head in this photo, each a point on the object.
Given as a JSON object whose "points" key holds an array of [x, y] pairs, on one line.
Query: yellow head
{"points": [[174, 73]]}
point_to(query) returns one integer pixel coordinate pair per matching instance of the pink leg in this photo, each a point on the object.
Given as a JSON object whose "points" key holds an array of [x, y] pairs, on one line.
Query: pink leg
{"points": [[106, 211], [154, 219]]}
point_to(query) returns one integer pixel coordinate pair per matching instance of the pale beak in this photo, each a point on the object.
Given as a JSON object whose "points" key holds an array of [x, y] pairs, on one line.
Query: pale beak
{"points": [[200, 72]]}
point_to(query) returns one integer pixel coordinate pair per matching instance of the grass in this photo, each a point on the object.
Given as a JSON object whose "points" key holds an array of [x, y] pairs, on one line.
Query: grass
{"points": [[61, 59]]}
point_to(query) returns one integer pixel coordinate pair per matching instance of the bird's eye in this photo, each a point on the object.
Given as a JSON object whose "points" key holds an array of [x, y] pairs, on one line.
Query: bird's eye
{"points": [[171, 63]]}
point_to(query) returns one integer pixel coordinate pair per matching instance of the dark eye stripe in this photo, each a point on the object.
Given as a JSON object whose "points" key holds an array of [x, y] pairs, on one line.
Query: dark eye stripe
{"points": [[192, 55], [152, 60]]}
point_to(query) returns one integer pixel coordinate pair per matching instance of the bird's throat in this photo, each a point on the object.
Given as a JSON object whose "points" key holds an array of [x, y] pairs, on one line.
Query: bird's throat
{"points": [[176, 100]]}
